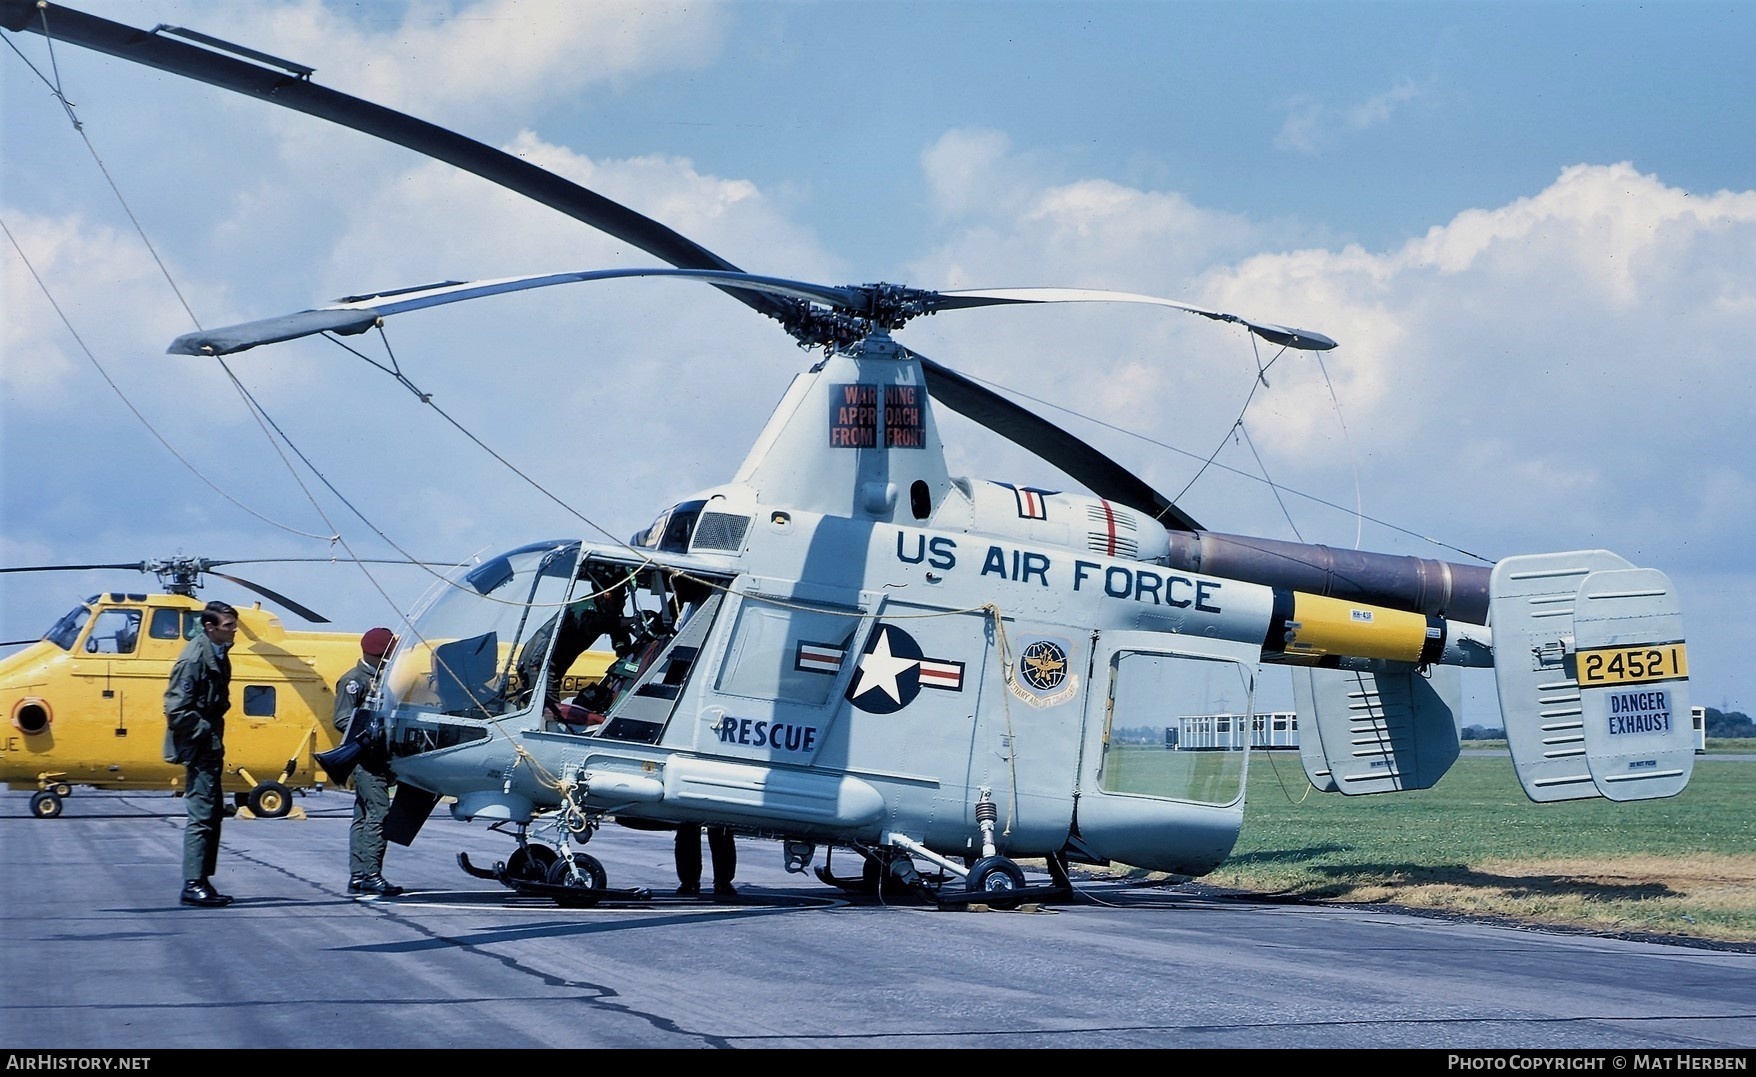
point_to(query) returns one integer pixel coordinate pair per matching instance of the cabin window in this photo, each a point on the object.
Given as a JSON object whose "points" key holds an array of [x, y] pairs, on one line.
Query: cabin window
{"points": [[1199, 697], [166, 624], [259, 701], [114, 632]]}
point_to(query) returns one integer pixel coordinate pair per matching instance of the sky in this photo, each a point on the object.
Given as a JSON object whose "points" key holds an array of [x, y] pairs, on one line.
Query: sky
{"points": [[1530, 226]]}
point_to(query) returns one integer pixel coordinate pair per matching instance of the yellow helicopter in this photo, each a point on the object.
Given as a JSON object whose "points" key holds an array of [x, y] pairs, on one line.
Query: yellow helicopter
{"points": [[845, 645], [85, 704]]}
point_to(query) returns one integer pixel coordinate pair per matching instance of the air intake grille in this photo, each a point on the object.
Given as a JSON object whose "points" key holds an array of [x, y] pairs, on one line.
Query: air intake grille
{"points": [[718, 531], [1114, 533]]}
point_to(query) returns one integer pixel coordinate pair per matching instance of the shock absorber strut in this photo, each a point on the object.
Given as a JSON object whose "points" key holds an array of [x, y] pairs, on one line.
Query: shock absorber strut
{"points": [[987, 814]]}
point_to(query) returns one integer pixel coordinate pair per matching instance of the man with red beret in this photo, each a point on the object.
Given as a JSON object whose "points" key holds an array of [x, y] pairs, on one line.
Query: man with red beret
{"points": [[371, 777]]}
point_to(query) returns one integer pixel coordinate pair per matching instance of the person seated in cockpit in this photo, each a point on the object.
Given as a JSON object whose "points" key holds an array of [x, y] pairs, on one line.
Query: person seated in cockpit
{"points": [[646, 636], [579, 624]]}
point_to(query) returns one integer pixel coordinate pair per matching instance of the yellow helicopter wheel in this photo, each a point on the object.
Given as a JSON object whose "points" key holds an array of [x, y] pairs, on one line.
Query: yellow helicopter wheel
{"points": [[61, 789], [45, 805]]}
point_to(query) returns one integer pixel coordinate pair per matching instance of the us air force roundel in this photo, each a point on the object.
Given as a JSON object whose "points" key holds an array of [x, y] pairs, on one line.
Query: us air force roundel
{"points": [[1043, 675], [893, 670]]}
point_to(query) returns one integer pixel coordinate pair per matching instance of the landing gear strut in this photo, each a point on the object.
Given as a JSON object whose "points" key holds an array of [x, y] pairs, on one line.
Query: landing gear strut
{"points": [[569, 877]]}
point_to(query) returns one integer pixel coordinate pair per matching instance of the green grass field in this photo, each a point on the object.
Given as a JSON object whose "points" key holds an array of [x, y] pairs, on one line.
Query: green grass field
{"points": [[1685, 865]]}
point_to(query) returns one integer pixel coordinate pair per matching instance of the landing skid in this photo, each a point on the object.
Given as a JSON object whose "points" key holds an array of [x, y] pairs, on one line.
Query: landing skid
{"points": [[586, 891]]}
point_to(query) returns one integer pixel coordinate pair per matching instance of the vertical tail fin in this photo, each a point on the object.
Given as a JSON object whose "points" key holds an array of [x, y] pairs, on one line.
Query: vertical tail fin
{"points": [[1377, 731], [1593, 677]]}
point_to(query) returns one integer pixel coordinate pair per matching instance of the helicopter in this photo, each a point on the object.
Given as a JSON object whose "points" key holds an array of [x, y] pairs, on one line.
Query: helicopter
{"points": [[86, 701], [845, 645]]}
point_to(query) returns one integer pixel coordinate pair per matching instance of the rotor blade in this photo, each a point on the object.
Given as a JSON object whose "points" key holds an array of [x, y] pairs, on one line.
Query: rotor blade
{"points": [[137, 565], [295, 91], [358, 313], [1303, 339], [316, 618], [1085, 464], [336, 561], [289, 86]]}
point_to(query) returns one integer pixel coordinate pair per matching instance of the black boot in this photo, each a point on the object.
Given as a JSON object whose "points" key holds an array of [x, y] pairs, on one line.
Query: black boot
{"points": [[373, 883], [200, 893]]}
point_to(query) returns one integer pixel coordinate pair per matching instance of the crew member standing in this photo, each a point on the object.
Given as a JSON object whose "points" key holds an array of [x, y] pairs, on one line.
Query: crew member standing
{"points": [[725, 861], [371, 776], [196, 702]]}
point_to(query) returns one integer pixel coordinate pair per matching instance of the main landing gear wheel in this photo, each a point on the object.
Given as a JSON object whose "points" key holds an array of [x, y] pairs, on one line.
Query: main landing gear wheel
{"points": [[995, 877], [45, 805], [531, 862], [61, 789], [270, 800], [584, 879]]}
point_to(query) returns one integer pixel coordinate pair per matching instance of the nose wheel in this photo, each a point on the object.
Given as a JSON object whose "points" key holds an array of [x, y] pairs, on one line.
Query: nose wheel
{"points": [[44, 804]]}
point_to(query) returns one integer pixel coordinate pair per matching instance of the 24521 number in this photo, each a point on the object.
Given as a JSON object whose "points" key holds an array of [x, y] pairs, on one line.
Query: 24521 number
{"points": [[1632, 665]]}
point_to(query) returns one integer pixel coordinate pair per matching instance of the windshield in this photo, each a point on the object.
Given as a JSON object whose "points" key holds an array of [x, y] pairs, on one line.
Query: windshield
{"points": [[66, 630], [459, 656]]}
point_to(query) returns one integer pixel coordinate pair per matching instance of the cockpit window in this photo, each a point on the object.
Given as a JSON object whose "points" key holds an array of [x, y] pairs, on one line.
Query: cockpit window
{"points": [[166, 624], [114, 632], [459, 660], [66, 630], [673, 529]]}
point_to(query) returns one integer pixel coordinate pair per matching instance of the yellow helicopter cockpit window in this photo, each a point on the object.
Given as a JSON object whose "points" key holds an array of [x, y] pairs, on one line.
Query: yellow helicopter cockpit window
{"points": [[171, 624], [114, 631], [66, 630]]}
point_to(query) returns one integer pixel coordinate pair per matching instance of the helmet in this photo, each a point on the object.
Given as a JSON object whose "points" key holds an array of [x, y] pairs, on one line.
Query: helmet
{"points": [[377, 642]]}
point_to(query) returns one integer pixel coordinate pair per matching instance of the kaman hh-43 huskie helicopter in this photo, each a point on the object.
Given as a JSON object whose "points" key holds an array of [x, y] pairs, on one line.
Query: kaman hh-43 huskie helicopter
{"points": [[848, 646]]}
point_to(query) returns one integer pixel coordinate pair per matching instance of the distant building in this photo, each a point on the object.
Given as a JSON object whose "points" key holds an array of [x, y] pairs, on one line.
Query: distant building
{"points": [[1227, 732]]}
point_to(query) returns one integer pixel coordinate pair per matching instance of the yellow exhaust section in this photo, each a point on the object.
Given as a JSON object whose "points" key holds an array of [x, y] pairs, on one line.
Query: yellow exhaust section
{"points": [[1313, 626]]}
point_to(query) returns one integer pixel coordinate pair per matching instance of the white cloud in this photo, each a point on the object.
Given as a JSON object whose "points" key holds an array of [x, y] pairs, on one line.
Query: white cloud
{"points": [[1310, 125], [1377, 110]]}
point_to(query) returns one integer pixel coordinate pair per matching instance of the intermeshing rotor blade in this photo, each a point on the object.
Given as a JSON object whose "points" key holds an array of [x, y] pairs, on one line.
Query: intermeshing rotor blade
{"points": [[358, 313], [290, 87], [1303, 339], [1099, 474]]}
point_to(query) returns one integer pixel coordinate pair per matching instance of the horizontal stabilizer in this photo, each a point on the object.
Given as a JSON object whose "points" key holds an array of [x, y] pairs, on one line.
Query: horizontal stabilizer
{"points": [[1377, 732], [1593, 677]]}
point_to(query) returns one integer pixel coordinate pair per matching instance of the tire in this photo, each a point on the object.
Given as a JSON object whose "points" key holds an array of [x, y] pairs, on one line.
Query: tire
{"points": [[45, 805], [531, 862], [61, 789], [270, 800], [584, 880], [995, 877]]}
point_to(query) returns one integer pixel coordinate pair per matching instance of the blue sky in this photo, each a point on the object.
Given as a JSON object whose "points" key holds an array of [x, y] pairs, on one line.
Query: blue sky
{"points": [[1531, 226]]}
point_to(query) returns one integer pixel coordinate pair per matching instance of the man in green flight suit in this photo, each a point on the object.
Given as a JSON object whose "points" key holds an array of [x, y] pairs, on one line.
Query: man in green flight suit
{"points": [[196, 702], [372, 775]]}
